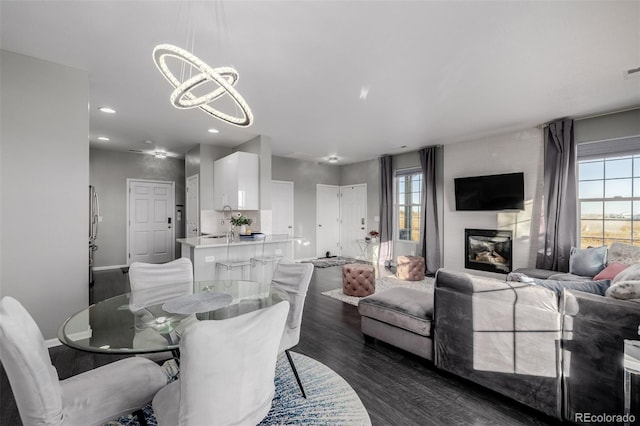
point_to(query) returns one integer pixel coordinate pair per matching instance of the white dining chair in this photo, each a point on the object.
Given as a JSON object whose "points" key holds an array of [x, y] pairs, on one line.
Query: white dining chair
{"points": [[227, 371], [293, 279], [264, 263], [153, 284], [150, 281], [90, 398]]}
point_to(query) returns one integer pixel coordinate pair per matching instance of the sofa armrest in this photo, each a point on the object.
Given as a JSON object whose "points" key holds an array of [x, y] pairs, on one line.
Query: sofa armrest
{"points": [[594, 330], [542, 274], [592, 307], [497, 291]]}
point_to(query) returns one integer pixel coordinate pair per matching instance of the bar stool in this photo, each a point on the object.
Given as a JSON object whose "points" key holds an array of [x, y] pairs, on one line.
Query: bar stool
{"points": [[228, 265], [264, 264]]}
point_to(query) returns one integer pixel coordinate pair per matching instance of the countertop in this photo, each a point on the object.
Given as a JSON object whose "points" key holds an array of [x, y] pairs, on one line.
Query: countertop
{"points": [[207, 241]]}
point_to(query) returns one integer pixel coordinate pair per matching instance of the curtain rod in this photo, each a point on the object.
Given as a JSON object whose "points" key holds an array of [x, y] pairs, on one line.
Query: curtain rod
{"points": [[587, 117]]}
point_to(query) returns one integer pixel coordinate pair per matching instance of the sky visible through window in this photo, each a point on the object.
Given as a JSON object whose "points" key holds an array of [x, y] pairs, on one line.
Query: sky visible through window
{"points": [[609, 200]]}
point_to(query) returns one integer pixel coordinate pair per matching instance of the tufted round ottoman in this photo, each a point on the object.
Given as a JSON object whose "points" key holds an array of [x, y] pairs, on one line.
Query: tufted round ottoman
{"points": [[358, 280], [410, 268]]}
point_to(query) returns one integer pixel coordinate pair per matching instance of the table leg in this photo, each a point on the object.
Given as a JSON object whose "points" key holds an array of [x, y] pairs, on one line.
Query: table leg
{"points": [[627, 395]]}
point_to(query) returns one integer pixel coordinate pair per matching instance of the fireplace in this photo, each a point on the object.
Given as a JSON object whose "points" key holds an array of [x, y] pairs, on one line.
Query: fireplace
{"points": [[488, 250]]}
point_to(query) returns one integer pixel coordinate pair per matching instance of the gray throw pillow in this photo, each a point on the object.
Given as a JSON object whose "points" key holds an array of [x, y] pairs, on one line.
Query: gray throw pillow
{"points": [[587, 262]]}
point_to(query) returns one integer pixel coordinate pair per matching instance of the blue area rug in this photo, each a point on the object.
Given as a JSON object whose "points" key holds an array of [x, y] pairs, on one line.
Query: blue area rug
{"points": [[330, 399]]}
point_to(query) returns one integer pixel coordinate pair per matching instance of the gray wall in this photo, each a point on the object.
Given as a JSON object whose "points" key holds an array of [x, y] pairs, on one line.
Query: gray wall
{"points": [[508, 153], [45, 188], [365, 172], [192, 162], [109, 171], [305, 175], [199, 160], [261, 146]]}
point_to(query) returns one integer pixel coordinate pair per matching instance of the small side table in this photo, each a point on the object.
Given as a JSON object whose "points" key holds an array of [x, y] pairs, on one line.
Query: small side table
{"points": [[368, 248], [631, 365]]}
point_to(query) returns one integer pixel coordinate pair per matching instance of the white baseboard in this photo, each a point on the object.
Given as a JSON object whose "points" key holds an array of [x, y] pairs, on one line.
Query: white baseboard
{"points": [[107, 268], [52, 343], [304, 258]]}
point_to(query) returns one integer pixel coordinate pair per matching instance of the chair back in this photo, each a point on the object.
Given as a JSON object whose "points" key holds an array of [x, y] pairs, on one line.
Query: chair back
{"points": [[34, 380], [227, 368], [294, 279], [269, 239], [152, 283]]}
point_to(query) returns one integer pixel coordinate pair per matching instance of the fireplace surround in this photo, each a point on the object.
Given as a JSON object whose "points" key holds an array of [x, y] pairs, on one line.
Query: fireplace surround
{"points": [[488, 250]]}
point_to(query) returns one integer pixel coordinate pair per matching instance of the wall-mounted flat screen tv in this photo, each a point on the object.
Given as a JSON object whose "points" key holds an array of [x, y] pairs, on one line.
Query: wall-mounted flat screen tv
{"points": [[492, 192]]}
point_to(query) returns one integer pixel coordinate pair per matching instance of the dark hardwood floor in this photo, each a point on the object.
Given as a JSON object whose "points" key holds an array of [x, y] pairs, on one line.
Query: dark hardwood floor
{"points": [[396, 387]]}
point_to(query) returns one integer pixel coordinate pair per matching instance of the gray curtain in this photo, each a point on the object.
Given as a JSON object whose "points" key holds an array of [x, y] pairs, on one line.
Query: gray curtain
{"points": [[430, 238], [559, 208], [386, 210]]}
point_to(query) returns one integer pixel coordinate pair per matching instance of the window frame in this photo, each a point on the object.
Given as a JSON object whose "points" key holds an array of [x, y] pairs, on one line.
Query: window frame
{"points": [[398, 175], [602, 219]]}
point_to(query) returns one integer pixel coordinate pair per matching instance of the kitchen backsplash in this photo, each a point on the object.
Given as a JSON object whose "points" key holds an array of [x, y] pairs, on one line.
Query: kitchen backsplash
{"points": [[217, 223]]}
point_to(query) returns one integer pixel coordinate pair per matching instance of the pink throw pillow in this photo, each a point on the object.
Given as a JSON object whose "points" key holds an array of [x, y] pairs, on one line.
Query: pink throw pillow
{"points": [[610, 271]]}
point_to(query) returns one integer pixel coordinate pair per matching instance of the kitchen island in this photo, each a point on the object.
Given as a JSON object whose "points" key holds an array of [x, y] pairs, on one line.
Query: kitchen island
{"points": [[206, 251]]}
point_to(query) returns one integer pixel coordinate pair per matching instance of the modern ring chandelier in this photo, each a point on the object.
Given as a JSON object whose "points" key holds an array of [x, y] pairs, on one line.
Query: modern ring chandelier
{"points": [[183, 98]]}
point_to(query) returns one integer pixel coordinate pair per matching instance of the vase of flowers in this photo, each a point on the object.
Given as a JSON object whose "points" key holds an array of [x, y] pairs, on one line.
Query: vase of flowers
{"points": [[243, 222], [373, 236]]}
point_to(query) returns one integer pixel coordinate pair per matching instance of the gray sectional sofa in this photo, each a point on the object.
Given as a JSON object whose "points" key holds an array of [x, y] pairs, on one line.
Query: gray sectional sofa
{"points": [[594, 330], [502, 335], [559, 352]]}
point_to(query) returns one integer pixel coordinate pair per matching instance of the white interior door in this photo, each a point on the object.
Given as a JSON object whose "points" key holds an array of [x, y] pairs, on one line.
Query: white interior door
{"points": [[327, 220], [353, 217], [193, 206], [151, 208], [282, 207]]}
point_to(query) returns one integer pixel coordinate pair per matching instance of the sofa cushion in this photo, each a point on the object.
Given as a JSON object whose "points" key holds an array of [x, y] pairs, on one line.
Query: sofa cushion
{"points": [[402, 307], [626, 254], [587, 262], [532, 272], [564, 276], [611, 271], [595, 287]]}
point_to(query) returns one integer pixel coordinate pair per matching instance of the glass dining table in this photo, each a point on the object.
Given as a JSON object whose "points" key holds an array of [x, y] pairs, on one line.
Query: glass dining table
{"points": [[152, 320]]}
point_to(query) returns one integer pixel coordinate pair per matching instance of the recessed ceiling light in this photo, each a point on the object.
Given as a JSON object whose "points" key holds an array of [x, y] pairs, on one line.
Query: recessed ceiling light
{"points": [[107, 110], [214, 131], [103, 138]]}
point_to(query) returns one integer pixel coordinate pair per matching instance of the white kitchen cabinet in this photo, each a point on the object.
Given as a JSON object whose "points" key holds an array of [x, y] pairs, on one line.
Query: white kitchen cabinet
{"points": [[236, 182]]}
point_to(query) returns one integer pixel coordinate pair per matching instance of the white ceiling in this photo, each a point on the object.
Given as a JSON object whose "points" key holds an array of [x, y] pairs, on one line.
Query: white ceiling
{"points": [[434, 72]]}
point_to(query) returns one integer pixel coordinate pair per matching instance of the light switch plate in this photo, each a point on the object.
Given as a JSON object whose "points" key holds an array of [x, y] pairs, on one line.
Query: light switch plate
{"points": [[209, 259]]}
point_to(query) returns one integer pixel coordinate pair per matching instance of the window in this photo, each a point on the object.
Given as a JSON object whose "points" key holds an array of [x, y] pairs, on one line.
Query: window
{"points": [[408, 200], [609, 200]]}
